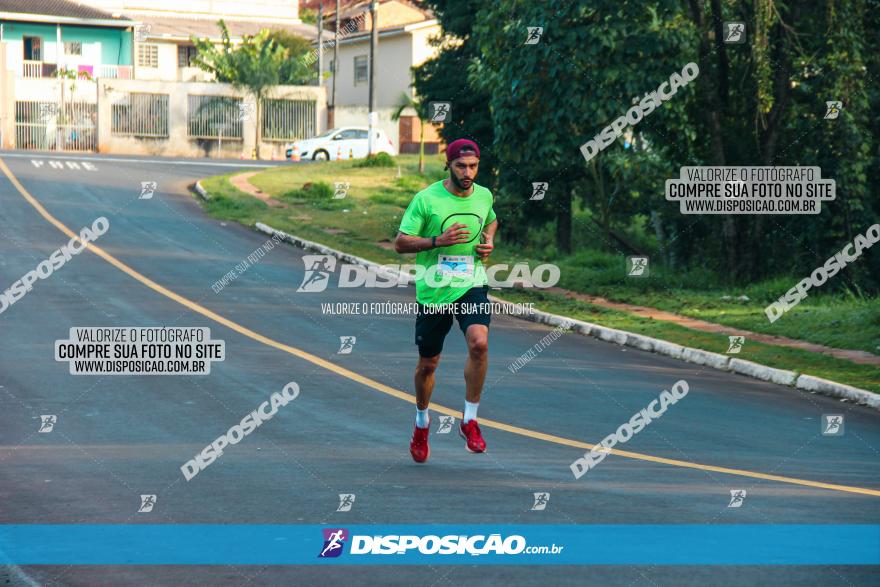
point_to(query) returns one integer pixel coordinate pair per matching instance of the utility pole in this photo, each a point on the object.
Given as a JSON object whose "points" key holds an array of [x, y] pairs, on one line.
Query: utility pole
{"points": [[320, 40], [332, 122], [374, 41]]}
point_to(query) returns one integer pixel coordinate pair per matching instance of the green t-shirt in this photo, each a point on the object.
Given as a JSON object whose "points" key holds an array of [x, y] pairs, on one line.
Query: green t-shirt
{"points": [[448, 271]]}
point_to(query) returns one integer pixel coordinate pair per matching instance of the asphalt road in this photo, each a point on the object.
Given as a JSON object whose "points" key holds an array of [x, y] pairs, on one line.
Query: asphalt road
{"points": [[117, 437]]}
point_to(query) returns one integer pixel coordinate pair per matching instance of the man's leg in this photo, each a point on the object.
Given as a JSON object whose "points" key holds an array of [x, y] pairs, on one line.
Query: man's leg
{"points": [[474, 317], [424, 380], [477, 337], [431, 329]]}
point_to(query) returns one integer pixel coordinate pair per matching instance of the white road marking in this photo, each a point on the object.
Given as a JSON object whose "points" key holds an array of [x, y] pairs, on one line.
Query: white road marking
{"points": [[70, 164]]}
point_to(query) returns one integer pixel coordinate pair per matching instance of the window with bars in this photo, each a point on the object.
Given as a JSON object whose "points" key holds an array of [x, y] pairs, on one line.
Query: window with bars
{"points": [[185, 55], [73, 48], [288, 119], [148, 55], [141, 115], [360, 69], [214, 117]]}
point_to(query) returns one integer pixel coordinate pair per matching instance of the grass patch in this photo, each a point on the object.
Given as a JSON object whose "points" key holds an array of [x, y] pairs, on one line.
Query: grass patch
{"points": [[319, 195], [862, 376], [227, 202], [845, 321], [370, 212]]}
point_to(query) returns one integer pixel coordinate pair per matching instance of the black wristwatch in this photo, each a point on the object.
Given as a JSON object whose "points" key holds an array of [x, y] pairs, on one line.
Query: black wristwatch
{"points": [[434, 242]]}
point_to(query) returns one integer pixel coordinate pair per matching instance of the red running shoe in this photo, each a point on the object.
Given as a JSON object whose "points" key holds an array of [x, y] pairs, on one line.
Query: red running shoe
{"points": [[418, 446], [471, 433]]}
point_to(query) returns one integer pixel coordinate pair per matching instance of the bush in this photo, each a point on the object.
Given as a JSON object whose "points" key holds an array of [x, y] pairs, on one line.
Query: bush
{"points": [[319, 194], [319, 190], [377, 160], [311, 191]]}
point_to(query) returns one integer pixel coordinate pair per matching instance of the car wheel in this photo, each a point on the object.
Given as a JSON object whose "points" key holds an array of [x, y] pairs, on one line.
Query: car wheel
{"points": [[321, 155]]}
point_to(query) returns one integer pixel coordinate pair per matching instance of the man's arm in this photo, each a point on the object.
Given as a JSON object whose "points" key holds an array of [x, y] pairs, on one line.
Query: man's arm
{"points": [[484, 249], [490, 229], [406, 243], [455, 234]]}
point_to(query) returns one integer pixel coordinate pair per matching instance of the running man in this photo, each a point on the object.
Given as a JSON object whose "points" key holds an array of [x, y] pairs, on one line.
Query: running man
{"points": [[334, 542], [451, 226]]}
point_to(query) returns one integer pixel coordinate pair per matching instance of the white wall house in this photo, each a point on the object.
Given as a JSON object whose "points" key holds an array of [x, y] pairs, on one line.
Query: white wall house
{"points": [[399, 49], [284, 11], [156, 104], [163, 48], [44, 37]]}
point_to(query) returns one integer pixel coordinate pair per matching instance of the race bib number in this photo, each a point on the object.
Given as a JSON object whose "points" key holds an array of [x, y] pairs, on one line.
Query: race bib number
{"points": [[456, 265]]}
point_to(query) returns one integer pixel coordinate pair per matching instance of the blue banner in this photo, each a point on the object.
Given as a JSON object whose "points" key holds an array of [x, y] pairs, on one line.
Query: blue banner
{"points": [[655, 544]]}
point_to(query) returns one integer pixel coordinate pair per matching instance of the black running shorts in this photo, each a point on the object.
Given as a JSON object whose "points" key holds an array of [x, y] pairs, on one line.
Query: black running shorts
{"points": [[433, 324]]}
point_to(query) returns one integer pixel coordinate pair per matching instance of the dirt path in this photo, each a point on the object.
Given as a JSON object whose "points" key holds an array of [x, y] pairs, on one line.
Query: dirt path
{"points": [[861, 357], [241, 182]]}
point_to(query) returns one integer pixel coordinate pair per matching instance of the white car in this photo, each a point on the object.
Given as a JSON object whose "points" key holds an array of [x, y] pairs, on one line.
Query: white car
{"points": [[343, 143]]}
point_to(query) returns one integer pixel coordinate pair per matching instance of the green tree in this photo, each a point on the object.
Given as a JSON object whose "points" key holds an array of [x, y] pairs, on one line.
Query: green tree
{"points": [[444, 79], [254, 65], [299, 65], [763, 103], [550, 97], [308, 15]]}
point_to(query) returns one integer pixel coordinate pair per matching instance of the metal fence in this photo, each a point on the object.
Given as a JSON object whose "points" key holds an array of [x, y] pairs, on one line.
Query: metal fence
{"points": [[141, 115], [285, 120], [69, 121], [31, 68], [215, 117], [69, 126]]}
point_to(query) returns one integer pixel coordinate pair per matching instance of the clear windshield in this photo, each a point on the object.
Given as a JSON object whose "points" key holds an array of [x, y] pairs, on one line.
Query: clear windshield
{"points": [[327, 134]]}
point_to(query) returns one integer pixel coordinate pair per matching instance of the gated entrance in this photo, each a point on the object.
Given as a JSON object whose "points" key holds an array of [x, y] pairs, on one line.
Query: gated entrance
{"points": [[57, 126]]}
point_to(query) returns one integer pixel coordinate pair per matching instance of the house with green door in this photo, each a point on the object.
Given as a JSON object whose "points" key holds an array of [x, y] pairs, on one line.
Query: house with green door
{"points": [[43, 37]]}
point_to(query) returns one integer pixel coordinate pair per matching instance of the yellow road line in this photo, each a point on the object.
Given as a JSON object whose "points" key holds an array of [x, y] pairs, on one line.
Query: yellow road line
{"points": [[396, 392]]}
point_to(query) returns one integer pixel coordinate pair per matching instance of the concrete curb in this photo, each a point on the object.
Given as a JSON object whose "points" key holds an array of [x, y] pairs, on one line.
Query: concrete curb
{"points": [[701, 357], [198, 189], [646, 343], [764, 373], [834, 389]]}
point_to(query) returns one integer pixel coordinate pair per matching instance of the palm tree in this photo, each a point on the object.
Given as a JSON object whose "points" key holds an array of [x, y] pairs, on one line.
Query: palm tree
{"points": [[404, 102]]}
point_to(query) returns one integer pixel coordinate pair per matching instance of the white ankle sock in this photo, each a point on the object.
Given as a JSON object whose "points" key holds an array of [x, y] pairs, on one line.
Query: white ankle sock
{"points": [[423, 420], [470, 411]]}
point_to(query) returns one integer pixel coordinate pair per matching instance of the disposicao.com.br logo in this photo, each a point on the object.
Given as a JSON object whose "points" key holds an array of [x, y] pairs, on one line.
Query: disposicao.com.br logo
{"points": [[334, 540], [476, 545], [319, 268]]}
